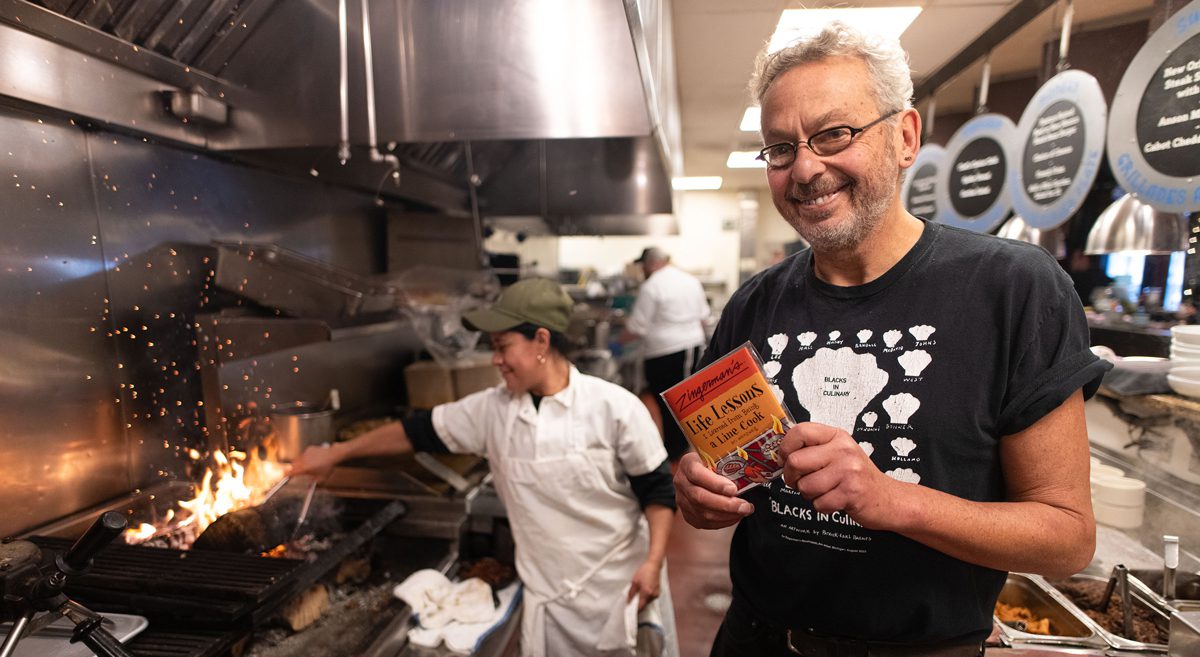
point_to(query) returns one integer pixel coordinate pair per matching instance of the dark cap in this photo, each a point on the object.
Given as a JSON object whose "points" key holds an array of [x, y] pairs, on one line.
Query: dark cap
{"points": [[652, 254], [537, 301]]}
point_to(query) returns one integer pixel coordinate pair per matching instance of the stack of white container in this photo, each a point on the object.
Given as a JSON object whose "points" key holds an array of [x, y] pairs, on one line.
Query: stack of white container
{"points": [[1184, 376], [1117, 500]]}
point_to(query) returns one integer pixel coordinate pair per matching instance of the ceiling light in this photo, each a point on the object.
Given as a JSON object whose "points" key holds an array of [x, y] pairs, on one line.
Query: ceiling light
{"points": [[886, 21], [694, 183], [1131, 226], [751, 119], [744, 160]]}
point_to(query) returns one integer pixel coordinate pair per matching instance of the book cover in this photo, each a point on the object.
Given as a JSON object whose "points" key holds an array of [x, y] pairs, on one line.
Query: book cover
{"points": [[732, 418]]}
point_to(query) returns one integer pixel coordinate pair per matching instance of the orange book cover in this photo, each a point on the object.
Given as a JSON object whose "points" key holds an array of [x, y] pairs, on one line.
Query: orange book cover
{"points": [[732, 418]]}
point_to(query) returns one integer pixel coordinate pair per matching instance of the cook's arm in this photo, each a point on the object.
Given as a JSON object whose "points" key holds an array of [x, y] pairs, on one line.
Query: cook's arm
{"points": [[387, 440], [647, 580]]}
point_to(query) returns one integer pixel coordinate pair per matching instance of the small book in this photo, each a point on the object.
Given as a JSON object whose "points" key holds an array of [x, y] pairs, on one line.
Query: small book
{"points": [[732, 417]]}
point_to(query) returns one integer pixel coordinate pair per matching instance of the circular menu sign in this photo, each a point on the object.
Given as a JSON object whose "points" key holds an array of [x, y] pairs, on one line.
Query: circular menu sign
{"points": [[972, 192], [920, 181], [1154, 128], [1059, 149]]}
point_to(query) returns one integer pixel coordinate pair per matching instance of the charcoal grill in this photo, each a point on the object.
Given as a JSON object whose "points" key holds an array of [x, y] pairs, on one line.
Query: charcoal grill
{"points": [[201, 603]]}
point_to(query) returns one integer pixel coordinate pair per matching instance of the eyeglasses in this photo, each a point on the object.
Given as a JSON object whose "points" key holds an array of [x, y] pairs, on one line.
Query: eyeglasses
{"points": [[830, 141]]}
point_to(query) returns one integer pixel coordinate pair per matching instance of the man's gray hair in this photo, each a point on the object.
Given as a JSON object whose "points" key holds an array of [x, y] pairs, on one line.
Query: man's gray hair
{"points": [[886, 62]]}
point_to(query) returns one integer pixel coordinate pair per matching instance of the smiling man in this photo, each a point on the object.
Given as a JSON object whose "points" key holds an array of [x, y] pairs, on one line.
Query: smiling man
{"points": [[938, 376]]}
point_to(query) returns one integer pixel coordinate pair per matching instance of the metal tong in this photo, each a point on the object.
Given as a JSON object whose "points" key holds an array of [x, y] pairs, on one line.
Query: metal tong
{"points": [[1120, 580], [1170, 564]]}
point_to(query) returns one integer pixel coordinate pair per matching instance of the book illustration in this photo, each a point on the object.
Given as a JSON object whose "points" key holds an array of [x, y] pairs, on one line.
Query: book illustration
{"points": [[864, 335], [867, 447], [914, 362], [806, 338], [835, 385], [756, 462], [771, 369], [834, 335], [733, 417], [869, 418], [901, 407]]}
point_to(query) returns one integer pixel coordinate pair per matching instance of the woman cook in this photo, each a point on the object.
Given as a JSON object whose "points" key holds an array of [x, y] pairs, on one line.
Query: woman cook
{"points": [[581, 470]]}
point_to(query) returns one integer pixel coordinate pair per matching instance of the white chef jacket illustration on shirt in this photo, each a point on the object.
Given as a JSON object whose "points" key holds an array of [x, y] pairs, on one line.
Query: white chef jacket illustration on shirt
{"points": [[862, 381]]}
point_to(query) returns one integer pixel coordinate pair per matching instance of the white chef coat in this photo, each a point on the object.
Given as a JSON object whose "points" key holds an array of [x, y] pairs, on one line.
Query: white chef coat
{"points": [[668, 311], [562, 472]]}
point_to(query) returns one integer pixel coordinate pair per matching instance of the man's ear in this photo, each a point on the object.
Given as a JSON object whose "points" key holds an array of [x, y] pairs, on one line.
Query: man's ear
{"points": [[910, 137]]}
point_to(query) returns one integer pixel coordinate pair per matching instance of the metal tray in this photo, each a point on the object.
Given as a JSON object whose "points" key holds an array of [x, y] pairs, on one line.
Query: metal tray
{"points": [[1071, 626], [297, 284], [55, 639], [1140, 596], [1187, 588]]}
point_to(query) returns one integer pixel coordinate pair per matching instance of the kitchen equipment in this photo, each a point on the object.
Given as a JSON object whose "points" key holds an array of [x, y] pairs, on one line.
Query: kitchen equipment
{"points": [[1121, 574], [300, 424], [1068, 625], [300, 285], [308, 497], [1170, 563], [442, 471], [54, 640]]}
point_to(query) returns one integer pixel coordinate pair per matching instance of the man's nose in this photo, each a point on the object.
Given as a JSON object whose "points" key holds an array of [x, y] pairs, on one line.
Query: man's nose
{"points": [[497, 359], [807, 165]]}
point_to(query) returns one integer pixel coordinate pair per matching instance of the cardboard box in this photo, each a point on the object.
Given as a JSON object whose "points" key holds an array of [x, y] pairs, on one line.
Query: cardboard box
{"points": [[429, 383]]}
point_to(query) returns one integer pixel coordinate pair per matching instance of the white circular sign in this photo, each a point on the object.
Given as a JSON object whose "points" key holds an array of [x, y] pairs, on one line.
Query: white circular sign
{"points": [[1154, 126], [972, 192], [921, 180], [1058, 150]]}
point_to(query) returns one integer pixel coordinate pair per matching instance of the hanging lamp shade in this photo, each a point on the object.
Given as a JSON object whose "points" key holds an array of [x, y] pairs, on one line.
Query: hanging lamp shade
{"points": [[1052, 240], [1129, 225]]}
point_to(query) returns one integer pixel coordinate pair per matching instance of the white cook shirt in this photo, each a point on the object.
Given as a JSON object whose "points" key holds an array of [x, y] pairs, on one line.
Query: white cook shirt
{"points": [[608, 419], [667, 313]]}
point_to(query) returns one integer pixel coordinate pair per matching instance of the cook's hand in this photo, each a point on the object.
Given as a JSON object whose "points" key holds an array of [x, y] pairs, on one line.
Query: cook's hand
{"points": [[316, 460], [707, 500], [827, 467], [647, 583]]}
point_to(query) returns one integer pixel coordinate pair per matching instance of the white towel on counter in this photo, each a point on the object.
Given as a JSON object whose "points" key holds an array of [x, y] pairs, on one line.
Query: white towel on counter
{"points": [[460, 614]]}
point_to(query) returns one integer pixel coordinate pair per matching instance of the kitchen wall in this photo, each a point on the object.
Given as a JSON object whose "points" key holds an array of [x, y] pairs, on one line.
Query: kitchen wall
{"points": [[105, 262], [707, 244]]}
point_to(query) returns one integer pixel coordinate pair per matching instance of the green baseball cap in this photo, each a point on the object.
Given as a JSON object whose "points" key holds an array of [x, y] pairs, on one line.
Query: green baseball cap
{"points": [[538, 301]]}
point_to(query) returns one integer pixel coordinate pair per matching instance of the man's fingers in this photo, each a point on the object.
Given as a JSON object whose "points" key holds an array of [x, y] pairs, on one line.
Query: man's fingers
{"points": [[815, 433], [699, 476]]}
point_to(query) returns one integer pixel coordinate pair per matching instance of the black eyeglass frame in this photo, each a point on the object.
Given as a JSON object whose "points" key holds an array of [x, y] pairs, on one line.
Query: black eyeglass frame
{"points": [[854, 132]]}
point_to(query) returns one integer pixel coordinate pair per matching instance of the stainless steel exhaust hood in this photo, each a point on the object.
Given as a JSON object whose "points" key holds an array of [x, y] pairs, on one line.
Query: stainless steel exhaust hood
{"points": [[576, 96]]}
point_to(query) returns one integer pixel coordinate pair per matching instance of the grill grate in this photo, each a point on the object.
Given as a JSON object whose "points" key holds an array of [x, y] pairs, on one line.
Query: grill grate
{"points": [[202, 603], [187, 643], [206, 587]]}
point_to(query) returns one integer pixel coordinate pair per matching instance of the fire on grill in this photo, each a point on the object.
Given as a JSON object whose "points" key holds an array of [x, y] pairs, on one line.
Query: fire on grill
{"points": [[232, 482]]}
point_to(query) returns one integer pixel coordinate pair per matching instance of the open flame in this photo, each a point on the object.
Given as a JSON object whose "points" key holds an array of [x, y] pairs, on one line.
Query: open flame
{"points": [[233, 481]]}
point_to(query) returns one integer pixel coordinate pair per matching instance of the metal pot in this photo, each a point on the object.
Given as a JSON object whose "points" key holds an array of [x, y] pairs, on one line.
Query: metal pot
{"points": [[298, 426]]}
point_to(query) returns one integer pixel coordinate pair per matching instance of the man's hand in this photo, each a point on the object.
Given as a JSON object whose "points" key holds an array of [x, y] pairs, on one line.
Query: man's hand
{"points": [[706, 499], [829, 469], [317, 461], [647, 583]]}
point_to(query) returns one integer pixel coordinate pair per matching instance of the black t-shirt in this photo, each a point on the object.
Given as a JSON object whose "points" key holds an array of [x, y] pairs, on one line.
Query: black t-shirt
{"points": [[967, 339]]}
